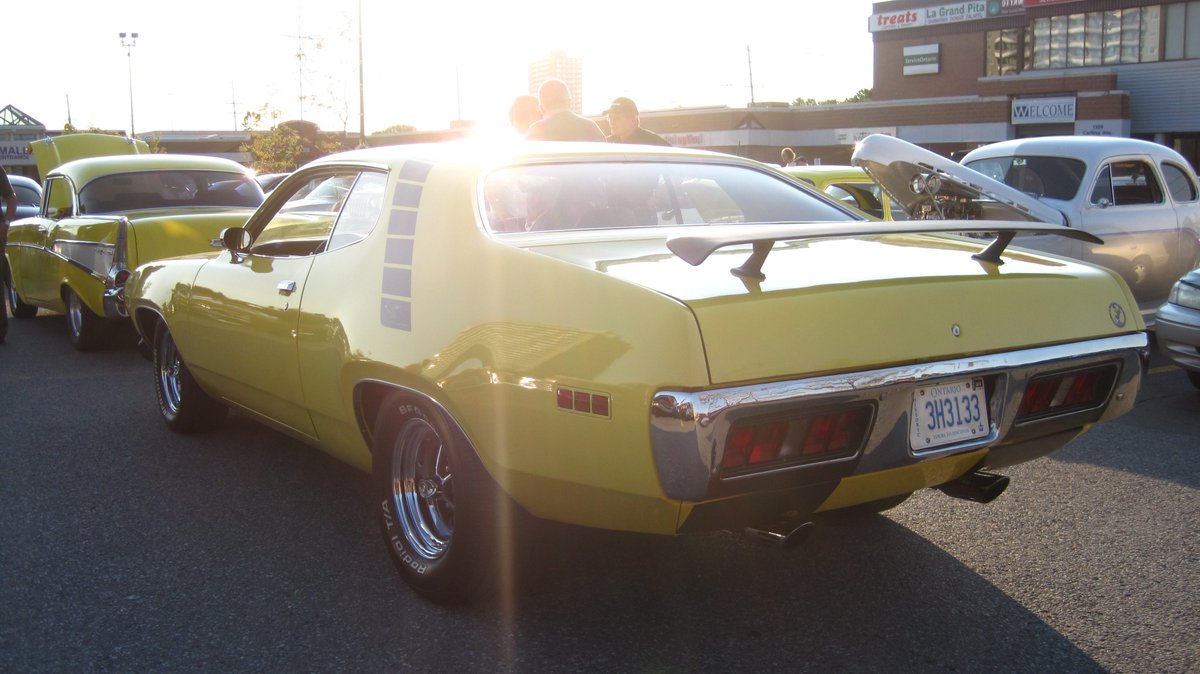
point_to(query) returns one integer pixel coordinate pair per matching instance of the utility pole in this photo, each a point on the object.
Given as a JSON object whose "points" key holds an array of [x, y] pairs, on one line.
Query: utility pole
{"points": [[362, 120], [750, 67], [129, 44], [300, 38]]}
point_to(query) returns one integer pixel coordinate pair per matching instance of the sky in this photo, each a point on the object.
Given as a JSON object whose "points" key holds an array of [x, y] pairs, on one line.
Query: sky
{"points": [[204, 65]]}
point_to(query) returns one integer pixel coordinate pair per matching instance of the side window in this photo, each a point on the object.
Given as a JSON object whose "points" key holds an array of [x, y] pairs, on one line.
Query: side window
{"points": [[59, 201], [1179, 183], [1102, 194], [303, 223], [1130, 183], [360, 211]]}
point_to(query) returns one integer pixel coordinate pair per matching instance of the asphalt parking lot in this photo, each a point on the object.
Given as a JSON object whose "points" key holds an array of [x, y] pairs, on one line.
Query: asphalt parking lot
{"points": [[128, 548]]}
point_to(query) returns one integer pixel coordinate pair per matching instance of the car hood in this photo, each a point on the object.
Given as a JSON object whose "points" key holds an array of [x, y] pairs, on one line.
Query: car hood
{"points": [[838, 304], [50, 153], [904, 171]]}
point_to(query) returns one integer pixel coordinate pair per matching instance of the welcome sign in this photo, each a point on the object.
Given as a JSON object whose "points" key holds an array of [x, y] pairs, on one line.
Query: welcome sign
{"points": [[1043, 110]]}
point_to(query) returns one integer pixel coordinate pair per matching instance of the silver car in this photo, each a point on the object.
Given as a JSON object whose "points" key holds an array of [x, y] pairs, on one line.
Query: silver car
{"points": [[1140, 198], [1178, 320]]}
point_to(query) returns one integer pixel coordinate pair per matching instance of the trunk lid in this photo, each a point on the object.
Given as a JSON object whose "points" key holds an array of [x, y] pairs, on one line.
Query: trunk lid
{"points": [[843, 304]]}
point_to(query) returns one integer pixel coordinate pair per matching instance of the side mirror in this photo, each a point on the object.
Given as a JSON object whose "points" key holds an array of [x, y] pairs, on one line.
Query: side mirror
{"points": [[235, 239], [1104, 202]]}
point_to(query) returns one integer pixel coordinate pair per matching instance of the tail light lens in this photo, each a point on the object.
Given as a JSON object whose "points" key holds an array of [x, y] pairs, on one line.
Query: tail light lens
{"points": [[826, 435], [1063, 392]]}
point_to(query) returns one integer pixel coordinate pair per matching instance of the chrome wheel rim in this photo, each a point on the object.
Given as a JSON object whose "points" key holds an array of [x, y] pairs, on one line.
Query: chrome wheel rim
{"points": [[74, 313], [422, 489], [169, 366]]}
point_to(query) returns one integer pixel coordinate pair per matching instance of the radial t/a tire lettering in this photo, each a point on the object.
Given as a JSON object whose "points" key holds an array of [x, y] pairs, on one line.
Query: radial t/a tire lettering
{"points": [[183, 404], [440, 511]]}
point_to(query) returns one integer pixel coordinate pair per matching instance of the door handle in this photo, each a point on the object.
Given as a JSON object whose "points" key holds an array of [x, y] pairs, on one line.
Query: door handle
{"points": [[286, 287]]}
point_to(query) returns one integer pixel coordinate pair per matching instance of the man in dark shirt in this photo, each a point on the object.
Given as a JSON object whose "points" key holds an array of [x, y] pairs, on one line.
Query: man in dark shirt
{"points": [[626, 125], [558, 122], [10, 212]]}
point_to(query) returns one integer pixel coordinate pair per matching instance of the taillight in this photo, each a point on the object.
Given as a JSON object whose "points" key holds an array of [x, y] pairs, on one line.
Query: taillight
{"points": [[121, 277], [1062, 392], [759, 442]]}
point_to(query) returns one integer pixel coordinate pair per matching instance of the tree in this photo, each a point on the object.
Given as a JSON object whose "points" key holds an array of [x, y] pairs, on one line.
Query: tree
{"points": [[396, 128], [860, 96], [286, 145]]}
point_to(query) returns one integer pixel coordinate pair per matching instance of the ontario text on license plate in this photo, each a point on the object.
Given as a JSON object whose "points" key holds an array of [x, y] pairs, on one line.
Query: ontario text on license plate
{"points": [[948, 412]]}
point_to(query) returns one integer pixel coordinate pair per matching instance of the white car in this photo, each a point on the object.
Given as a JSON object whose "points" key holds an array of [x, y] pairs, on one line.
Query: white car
{"points": [[1140, 198]]}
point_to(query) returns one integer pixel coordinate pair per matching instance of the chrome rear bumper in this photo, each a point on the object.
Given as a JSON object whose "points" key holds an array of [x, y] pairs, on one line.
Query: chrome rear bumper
{"points": [[689, 428]]}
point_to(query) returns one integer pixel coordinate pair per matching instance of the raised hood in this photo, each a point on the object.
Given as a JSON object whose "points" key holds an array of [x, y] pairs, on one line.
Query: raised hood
{"points": [[50, 153], [929, 185], [858, 299]]}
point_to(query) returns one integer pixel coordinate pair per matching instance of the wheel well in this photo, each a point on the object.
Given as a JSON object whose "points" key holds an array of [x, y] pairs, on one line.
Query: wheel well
{"points": [[369, 400], [146, 321], [372, 397]]}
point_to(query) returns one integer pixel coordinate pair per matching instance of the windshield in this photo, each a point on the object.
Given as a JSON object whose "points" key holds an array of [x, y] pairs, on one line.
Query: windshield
{"points": [[1051, 177], [168, 189], [609, 195]]}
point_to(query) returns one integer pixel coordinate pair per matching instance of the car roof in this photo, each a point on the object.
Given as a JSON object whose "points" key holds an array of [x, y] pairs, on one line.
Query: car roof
{"points": [[26, 181], [482, 152], [1090, 149], [83, 171]]}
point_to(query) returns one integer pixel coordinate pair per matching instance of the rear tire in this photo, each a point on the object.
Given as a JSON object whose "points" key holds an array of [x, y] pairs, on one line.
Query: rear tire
{"points": [[184, 405], [19, 308], [88, 330], [440, 511]]}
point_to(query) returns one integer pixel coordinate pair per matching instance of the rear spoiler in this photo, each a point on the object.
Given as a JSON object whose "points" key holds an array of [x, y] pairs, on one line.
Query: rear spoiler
{"points": [[695, 249]]}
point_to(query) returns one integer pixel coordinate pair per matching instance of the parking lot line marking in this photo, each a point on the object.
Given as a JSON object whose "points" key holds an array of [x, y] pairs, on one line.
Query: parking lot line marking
{"points": [[1165, 368]]}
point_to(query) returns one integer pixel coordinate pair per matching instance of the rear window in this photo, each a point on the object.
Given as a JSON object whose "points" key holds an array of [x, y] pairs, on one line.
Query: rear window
{"points": [[610, 195], [1053, 177], [168, 189]]}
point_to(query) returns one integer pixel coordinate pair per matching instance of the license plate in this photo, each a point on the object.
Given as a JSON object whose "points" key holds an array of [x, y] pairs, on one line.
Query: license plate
{"points": [[948, 412]]}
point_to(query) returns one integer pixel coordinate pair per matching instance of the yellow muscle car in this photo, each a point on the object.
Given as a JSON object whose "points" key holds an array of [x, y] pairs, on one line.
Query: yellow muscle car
{"points": [[107, 206], [645, 339]]}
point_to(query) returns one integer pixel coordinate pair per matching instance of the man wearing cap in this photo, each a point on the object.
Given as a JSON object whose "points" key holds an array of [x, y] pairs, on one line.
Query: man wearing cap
{"points": [[627, 126], [558, 122]]}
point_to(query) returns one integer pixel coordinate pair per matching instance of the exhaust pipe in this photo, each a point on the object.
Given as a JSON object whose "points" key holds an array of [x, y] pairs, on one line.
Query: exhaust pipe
{"points": [[978, 486], [783, 533]]}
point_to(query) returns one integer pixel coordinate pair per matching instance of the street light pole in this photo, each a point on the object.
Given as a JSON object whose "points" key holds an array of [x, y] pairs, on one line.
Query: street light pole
{"points": [[129, 41]]}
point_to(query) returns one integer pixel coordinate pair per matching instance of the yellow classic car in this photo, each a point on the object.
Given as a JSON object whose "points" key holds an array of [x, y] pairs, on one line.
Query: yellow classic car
{"points": [[652, 340], [850, 185], [107, 206]]}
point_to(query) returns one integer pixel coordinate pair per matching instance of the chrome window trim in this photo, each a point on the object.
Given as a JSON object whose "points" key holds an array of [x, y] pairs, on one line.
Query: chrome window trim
{"points": [[688, 428]]}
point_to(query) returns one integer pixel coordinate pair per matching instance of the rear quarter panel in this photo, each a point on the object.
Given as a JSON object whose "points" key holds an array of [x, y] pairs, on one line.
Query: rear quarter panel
{"points": [[491, 332]]}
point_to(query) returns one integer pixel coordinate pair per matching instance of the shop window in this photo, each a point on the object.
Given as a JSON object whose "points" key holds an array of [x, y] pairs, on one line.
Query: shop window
{"points": [[1182, 35], [1097, 38]]}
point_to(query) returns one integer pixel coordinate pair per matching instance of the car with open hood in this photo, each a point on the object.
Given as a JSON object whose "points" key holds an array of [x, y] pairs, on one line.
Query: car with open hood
{"points": [[108, 204], [644, 339], [1140, 199]]}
